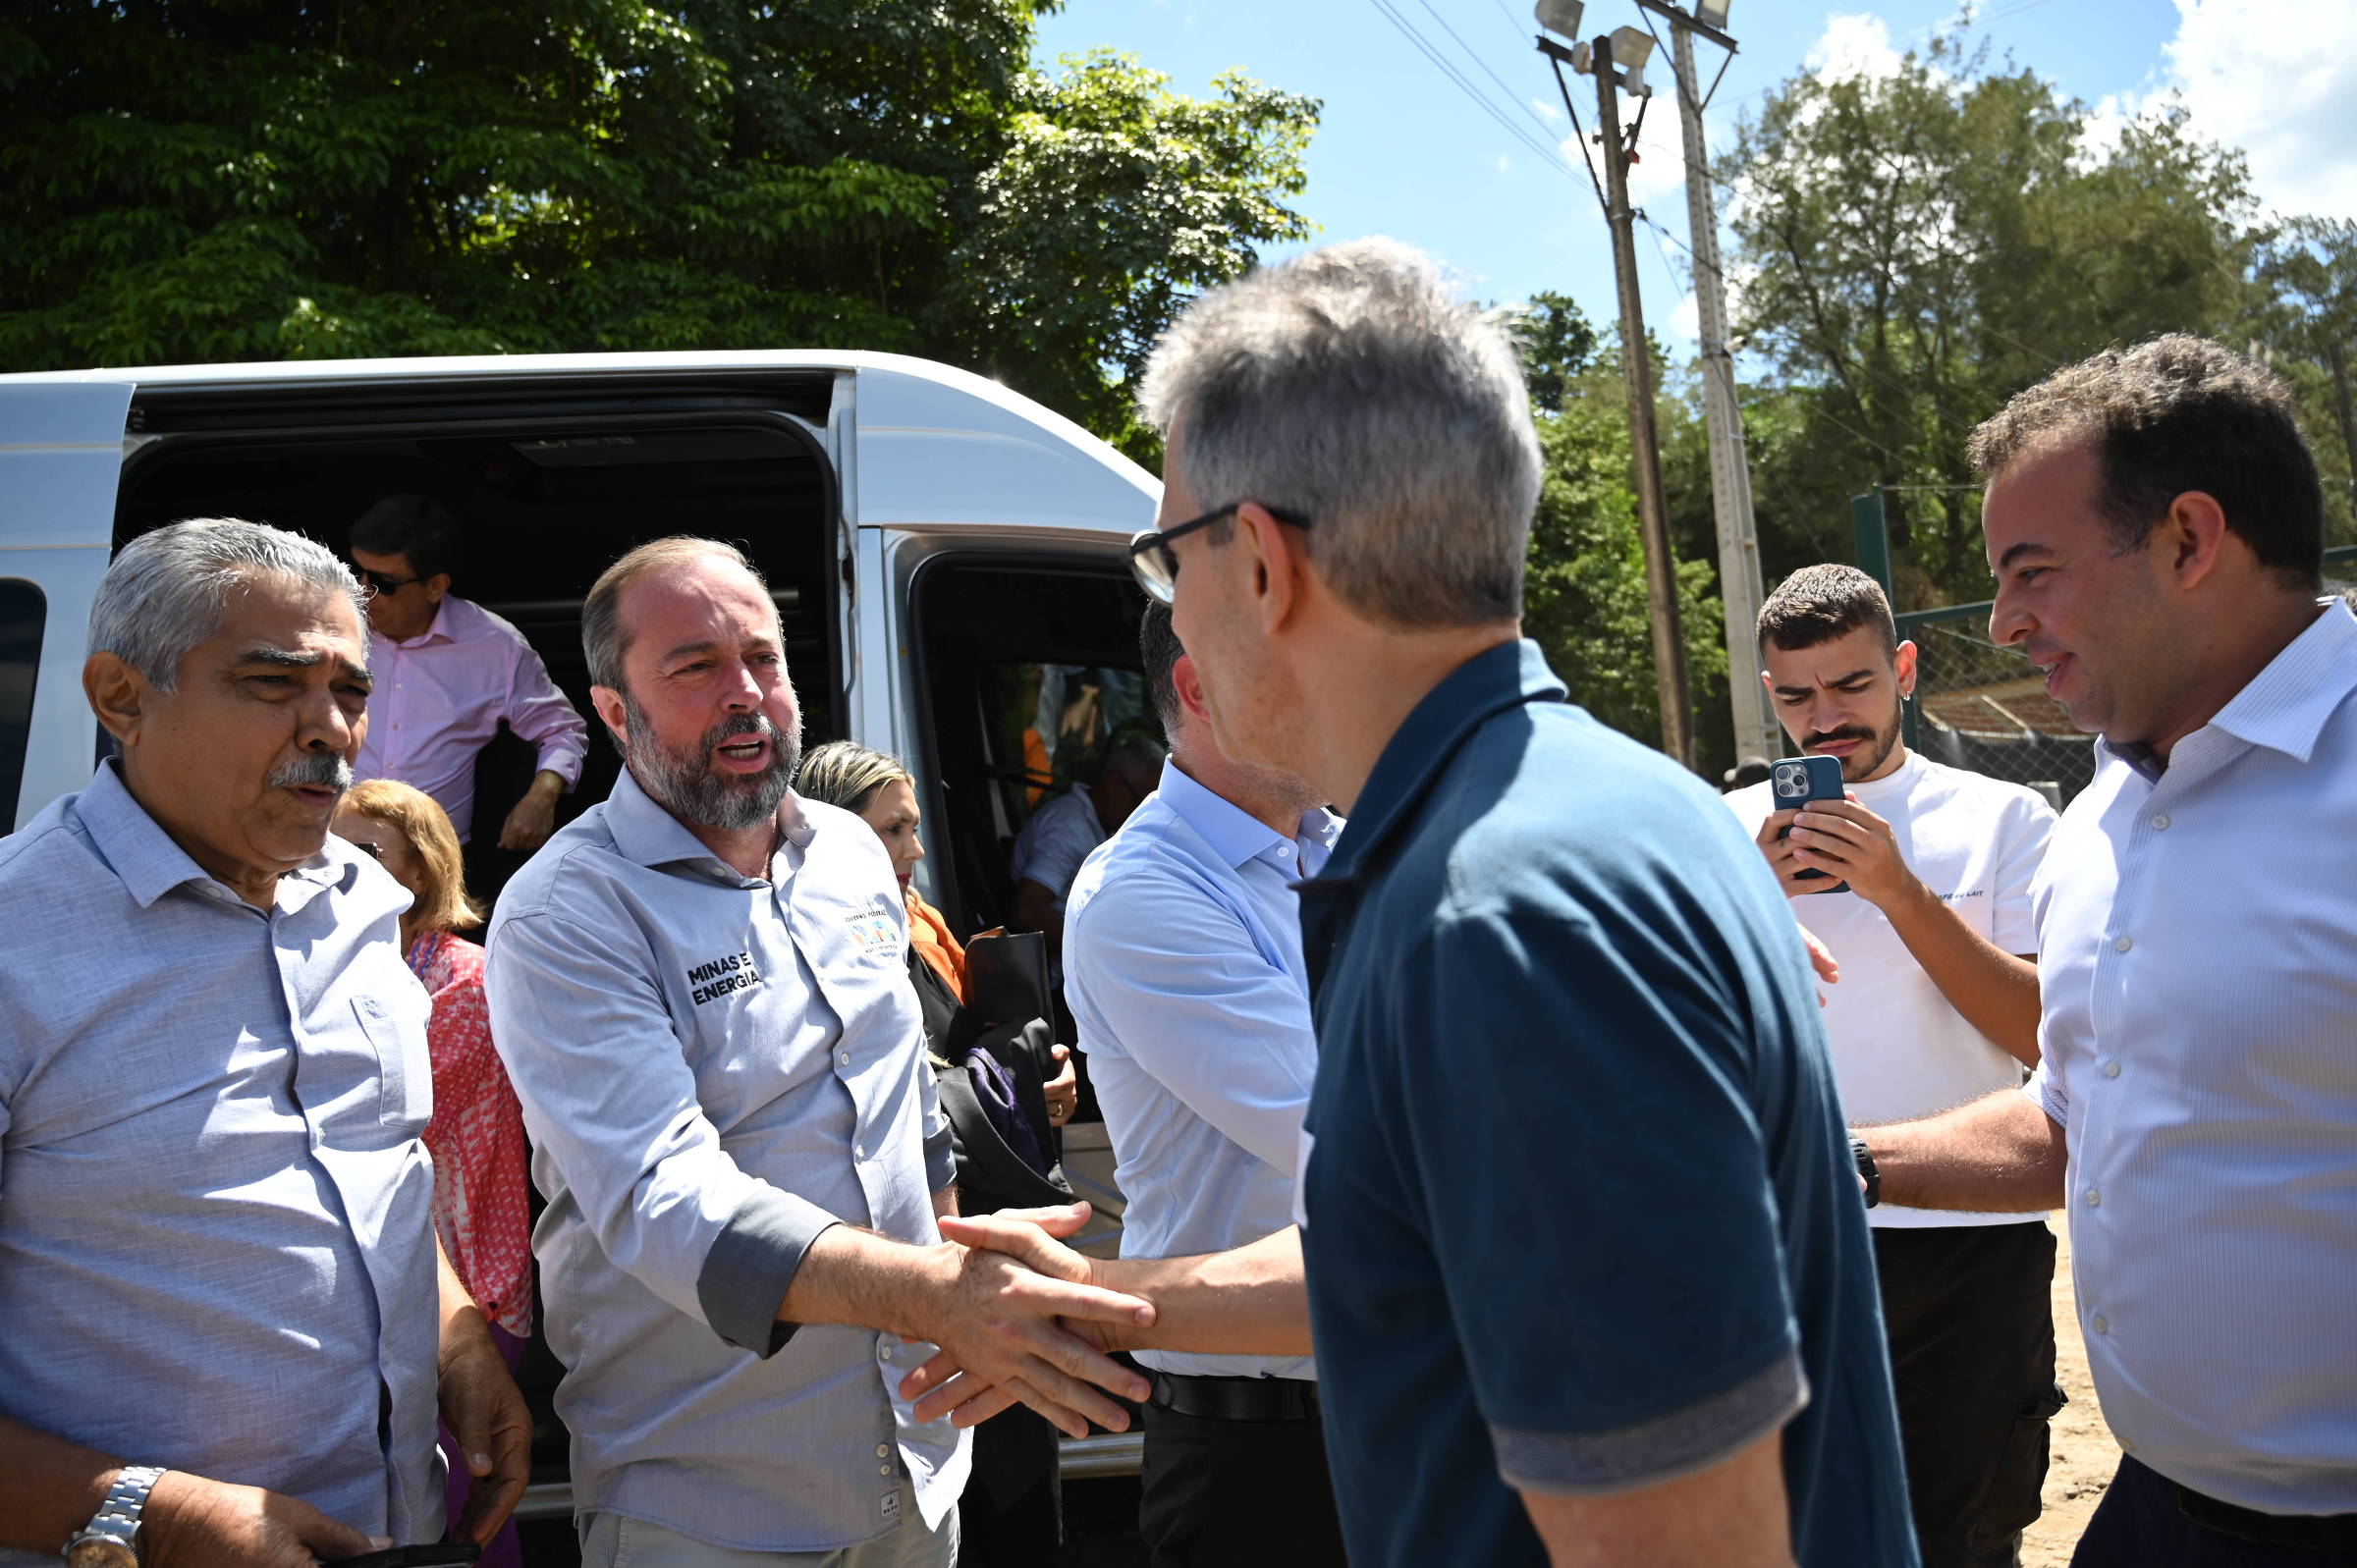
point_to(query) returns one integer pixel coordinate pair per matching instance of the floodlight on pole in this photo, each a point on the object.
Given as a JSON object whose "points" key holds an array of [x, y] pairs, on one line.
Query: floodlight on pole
{"points": [[1631, 48], [1562, 18], [1711, 13]]}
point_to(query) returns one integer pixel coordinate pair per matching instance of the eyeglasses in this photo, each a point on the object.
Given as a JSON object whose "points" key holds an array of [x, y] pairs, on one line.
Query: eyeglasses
{"points": [[372, 851], [1156, 565], [382, 582]]}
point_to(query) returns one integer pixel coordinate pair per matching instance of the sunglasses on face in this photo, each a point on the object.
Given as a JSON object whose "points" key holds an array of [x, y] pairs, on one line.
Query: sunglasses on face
{"points": [[372, 851], [380, 582], [1156, 565]]}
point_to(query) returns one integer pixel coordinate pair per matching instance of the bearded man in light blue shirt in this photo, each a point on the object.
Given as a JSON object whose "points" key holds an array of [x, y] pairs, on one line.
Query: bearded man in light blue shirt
{"points": [[1184, 972]]}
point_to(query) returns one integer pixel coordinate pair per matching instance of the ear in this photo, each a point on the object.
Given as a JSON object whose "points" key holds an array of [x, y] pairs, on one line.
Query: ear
{"points": [[118, 694], [436, 586], [1906, 662], [608, 703], [1189, 682], [2192, 538], [1278, 565]]}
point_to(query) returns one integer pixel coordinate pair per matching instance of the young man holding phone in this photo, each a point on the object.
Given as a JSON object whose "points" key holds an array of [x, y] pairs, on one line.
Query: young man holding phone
{"points": [[1919, 883]]}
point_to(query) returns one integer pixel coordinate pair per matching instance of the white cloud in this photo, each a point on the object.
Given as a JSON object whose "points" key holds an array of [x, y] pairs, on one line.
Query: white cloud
{"points": [[1504, 163], [1856, 45], [2279, 80], [1686, 327], [1546, 111]]}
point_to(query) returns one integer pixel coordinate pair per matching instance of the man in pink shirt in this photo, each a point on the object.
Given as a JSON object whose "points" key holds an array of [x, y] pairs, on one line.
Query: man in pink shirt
{"points": [[448, 672]]}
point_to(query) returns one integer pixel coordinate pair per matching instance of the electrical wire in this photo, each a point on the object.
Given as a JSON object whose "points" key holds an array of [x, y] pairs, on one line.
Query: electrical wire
{"points": [[1457, 79], [1536, 120]]}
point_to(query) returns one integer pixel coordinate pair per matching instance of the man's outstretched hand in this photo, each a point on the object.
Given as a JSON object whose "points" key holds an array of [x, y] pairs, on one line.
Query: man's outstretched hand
{"points": [[963, 1389]]}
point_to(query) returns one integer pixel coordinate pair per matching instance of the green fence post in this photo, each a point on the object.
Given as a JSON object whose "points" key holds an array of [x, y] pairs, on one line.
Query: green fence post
{"points": [[1873, 529]]}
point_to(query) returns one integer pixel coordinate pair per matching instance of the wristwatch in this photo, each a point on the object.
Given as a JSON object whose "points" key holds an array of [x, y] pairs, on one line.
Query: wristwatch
{"points": [[111, 1539], [1867, 1173]]}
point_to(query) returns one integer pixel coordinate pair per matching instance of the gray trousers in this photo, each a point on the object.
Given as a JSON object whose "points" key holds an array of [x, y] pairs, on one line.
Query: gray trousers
{"points": [[617, 1541]]}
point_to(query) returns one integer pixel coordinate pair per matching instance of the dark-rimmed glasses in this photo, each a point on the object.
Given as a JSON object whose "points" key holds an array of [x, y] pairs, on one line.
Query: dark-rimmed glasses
{"points": [[1156, 565]]}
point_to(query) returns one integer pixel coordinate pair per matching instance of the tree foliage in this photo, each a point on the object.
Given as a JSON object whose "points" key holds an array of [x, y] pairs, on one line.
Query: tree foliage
{"points": [[1912, 248], [211, 180]]}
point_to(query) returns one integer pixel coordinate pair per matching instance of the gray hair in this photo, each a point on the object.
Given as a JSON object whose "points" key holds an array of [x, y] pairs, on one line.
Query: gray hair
{"points": [[1350, 386], [167, 590], [1136, 760], [604, 642]]}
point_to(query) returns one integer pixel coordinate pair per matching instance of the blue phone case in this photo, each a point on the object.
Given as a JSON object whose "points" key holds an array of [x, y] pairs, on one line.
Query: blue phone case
{"points": [[1798, 780]]}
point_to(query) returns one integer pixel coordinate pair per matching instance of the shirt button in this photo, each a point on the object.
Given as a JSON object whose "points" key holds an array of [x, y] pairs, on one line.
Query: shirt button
{"points": [[842, 1057], [2160, 821], [883, 1470], [2110, 1070], [883, 1352], [2122, 944], [883, 1450], [2103, 1324], [2094, 1199], [859, 1151]]}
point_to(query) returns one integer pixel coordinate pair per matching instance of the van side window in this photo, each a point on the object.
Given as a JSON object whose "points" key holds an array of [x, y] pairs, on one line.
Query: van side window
{"points": [[24, 608]]}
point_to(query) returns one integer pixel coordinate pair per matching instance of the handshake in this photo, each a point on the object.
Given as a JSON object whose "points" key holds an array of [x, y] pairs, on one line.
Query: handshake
{"points": [[1031, 1322]]}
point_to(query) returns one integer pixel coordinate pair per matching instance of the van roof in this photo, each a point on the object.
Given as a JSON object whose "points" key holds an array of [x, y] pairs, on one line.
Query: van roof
{"points": [[1009, 460]]}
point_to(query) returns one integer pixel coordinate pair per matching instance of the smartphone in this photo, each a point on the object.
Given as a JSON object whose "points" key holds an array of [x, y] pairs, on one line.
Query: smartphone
{"points": [[450, 1552], [1800, 781]]}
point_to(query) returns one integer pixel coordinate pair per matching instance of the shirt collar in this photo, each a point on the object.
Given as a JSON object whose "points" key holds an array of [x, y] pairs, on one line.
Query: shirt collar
{"points": [[2285, 706], [649, 834], [1233, 832], [1509, 676], [151, 863], [435, 629]]}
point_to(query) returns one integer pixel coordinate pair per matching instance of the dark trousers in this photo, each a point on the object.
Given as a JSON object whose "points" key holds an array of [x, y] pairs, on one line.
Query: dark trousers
{"points": [[1972, 1360], [1012, 1515], [1236, 1494], [2141, 1523]]}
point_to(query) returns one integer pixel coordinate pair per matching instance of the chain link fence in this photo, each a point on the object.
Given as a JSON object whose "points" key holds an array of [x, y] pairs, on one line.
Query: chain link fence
{"points": [[1983, 707]]}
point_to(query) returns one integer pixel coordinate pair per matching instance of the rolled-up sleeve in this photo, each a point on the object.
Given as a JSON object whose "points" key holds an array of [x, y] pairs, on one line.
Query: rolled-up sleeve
{"points": [[1174, 976], [609, 1097], [541, 716]]}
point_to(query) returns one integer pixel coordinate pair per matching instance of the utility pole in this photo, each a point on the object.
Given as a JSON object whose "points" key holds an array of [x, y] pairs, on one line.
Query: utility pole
{"points": [[1653, 518], [1740, 588]]}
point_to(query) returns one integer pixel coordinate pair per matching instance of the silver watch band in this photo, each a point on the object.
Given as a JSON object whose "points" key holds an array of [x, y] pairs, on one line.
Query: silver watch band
{"points": [[118, 1517]]}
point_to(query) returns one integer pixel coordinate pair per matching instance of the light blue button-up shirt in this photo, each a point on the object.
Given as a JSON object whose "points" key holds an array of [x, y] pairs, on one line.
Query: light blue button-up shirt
{"points": [[714, 1068], [1182, 965], [216, 1242]]}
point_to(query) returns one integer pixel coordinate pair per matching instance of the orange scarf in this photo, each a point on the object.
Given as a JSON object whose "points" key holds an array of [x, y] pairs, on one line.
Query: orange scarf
{"points": [[930, 935]]}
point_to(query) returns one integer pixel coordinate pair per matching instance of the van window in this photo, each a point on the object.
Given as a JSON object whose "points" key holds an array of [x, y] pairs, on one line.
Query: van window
{"points": [[1030, 673], [22, 610]]}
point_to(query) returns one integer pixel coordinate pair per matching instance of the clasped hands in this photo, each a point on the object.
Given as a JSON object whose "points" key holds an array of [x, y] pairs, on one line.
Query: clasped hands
{"points": [[1003, 1349]]}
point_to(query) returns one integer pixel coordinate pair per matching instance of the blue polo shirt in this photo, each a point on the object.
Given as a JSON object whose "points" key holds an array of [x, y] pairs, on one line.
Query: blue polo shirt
{"points": [[1582, 1215]]}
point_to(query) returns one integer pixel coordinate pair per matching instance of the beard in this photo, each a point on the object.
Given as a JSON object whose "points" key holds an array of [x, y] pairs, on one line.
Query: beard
{"points": [[685, 784], [1874, 748]]}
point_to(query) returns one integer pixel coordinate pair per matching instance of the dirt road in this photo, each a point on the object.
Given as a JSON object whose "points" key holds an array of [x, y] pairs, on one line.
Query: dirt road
{"points": [[2083, 1455]]}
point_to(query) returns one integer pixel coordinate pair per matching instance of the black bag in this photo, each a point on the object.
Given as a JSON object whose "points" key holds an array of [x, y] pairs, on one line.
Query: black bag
{"points": [[991, 1176]]}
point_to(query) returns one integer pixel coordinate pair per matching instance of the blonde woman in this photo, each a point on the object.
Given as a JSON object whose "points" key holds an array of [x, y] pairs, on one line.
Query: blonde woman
{"points": [[482, 1183]]}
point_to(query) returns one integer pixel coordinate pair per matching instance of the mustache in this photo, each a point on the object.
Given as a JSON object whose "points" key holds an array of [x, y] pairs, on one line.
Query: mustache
{"points": [[1846, 732], [741, 724], [320, 770]]}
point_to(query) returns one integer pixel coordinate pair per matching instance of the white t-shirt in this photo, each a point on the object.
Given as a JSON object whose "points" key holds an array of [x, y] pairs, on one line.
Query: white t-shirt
{"points": [[1900, 1050]]}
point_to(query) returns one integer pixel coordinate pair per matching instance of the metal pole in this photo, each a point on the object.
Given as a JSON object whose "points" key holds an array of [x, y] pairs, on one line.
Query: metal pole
{"points": [[1741, 590], [1652, 516]]}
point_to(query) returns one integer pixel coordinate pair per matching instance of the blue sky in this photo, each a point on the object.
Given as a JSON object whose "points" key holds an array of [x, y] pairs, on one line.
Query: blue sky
{"points": [[1403, 150]]}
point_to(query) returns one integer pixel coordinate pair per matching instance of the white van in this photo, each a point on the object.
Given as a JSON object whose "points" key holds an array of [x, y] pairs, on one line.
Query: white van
{"points": [[947, 559]]}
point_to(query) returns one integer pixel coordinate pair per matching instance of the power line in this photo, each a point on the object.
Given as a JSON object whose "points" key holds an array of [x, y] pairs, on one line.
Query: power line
{"points": [[1441, 63], [1517, 102]]}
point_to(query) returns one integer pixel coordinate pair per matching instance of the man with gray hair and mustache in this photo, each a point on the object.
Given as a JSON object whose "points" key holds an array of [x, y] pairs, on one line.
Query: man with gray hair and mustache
{"points": [[225, 1325], [699, 992]]}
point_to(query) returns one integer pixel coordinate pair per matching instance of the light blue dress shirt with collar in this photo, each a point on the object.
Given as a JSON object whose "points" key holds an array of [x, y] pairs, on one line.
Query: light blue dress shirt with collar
{"points": [[216, 1238], [714, 1068], [2197, 955], [1183, 966]]}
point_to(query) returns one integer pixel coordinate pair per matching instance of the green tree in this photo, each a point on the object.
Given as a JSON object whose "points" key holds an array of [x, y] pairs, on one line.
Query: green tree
{"points": [[212, 180], [1915, 248], [2308, 269]]}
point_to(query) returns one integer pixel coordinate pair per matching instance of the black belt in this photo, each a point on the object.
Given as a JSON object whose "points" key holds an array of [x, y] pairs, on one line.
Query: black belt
{"points": [[2320, 1533], [1235, 1399]]}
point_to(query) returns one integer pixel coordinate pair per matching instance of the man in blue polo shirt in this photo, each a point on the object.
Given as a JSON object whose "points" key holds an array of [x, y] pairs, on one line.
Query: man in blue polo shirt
{"points": [[1589, 1274]]}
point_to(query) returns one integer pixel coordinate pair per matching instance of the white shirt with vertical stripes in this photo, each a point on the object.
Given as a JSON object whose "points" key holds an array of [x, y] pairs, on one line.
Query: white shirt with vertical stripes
{"points": [[2198, 953]]}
